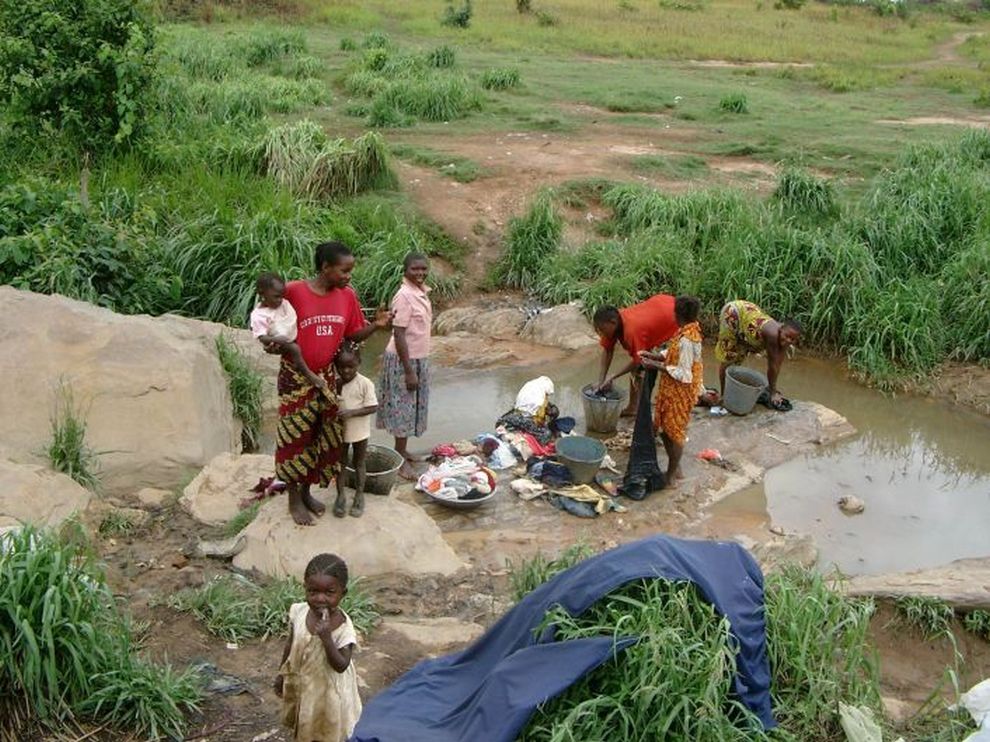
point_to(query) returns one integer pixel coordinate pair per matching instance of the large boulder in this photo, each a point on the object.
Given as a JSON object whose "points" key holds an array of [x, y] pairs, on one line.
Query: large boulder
{"points": [[391, 536], [501, 321], [562, 326], [31, 494], [214, 496], [152, 390]]}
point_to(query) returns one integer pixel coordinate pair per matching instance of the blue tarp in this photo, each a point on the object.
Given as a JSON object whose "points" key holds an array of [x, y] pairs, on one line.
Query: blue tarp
{"points": [[488, 691]]}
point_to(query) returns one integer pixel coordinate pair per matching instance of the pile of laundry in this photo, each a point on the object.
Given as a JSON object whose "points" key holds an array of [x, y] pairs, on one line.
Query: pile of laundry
{"points": [[458, 478]]}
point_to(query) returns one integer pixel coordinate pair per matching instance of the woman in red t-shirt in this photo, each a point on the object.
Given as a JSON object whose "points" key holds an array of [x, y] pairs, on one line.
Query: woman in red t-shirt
{"points": [[309, 436]]}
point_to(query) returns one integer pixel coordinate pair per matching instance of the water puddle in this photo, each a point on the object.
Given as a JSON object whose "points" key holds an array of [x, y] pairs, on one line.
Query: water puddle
{"points": [[920, 466]]}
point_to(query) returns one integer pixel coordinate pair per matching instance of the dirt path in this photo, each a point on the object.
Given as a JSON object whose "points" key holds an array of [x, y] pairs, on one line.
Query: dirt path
{"points": [[521, 163]]}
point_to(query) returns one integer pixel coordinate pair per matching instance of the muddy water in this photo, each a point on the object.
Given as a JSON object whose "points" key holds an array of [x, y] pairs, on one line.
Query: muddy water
{"points": [[921, 467]]}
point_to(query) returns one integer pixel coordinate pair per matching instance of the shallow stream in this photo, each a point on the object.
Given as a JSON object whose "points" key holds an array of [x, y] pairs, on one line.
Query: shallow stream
{"points": [[921, 466]]}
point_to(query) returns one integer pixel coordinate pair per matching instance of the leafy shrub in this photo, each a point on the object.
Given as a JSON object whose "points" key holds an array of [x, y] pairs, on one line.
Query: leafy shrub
{"points": [[234, 608], [500, 78], [442, 57], [81, 67], [546, 19], [68, 650], [245, 383], [734, 103], [531, 241], [457, 17]]}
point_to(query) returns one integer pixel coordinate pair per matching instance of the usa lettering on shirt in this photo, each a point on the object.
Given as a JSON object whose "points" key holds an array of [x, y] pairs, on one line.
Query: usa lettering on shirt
{"points": [[324, 322]]}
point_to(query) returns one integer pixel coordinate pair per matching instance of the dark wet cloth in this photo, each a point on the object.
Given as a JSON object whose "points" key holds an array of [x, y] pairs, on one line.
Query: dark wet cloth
{"points": [[572, 506], [520, 421], [489, 690], [643, 475], [551, 473], [781, 405]]}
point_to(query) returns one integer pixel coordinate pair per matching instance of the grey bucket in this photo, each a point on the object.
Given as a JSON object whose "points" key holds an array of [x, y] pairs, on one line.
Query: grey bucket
{"points": [[582, 456], [743, 387], [382, 465], [602, 411]]}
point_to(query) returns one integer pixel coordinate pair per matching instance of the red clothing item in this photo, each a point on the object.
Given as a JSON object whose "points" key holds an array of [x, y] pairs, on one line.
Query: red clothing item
{"points": [[645, 325], [324, 320]]}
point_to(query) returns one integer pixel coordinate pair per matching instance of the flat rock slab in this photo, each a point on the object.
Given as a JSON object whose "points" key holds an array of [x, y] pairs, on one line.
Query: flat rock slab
{"points": [[215, 495], [964, 584], [562, 326], [32, 494], [391, 536], [435, 633]]}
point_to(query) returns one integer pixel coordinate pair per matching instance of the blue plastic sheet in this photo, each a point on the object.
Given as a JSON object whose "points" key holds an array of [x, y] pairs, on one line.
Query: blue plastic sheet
{"points": [[488, 691]]}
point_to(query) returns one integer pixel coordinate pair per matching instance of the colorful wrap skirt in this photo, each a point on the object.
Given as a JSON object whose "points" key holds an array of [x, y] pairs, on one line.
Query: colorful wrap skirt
{"points": [[402, 412], [309, 436], [739, 325]]}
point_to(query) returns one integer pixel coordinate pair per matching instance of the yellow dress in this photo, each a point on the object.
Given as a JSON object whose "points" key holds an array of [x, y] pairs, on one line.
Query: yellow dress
{"points": [[318, 703]]}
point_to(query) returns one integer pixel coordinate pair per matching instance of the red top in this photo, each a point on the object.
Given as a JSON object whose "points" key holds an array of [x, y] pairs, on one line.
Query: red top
{"points": [[324, 320], [645, 325]]}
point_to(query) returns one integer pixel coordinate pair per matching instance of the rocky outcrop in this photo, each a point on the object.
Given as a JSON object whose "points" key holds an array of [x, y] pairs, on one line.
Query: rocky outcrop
{"points": [[963, 584], [215, 495], [501, 322], [391, 536], [152, 391], [32, 494], [562, 326]]}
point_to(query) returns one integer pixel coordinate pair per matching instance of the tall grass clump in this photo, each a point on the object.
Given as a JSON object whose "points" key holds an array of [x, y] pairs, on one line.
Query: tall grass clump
{"points": [[69, 653], [931, 616], [734, 103], [531, 242], [676, 681], [804, 194], [245, 383], [404, 87], [68, 451], [234, 608], [301, 157], [500, 78]]}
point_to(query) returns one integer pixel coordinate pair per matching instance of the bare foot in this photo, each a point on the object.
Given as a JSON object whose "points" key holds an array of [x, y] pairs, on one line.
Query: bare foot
{"points": [[312, 504], [300, 514], [407, 472]]}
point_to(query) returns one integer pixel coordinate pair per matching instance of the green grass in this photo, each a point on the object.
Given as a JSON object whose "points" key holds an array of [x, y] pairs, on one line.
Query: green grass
{"points": [[931, 616], [977, 622], [68, 452], [675, 683], [235, 609], [116, 523], [531, 241], [69, 652], [677, 167], [722, 29], [461, 169], [245, 383], [500, 78], [876, 279], [242, 520], [734, 103]]}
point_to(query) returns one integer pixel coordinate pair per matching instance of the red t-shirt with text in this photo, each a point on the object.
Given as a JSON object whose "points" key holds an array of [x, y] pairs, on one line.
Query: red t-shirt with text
{"points": [[324, 320], [645, 325]]}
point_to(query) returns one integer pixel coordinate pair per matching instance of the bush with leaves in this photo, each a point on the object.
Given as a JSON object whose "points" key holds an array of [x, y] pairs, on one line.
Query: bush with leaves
{"points": [[79, 67], [457, 17]]}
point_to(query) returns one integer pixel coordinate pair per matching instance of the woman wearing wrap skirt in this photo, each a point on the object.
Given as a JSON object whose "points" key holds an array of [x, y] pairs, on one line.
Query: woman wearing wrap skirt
{"points": [[309, 436], [404, 384]]}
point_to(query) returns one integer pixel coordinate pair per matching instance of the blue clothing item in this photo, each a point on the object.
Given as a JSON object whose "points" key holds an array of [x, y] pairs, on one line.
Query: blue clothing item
{"points": [[488, 691]]}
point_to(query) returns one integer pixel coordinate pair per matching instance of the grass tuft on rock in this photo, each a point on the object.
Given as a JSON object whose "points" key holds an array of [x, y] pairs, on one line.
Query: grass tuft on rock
{"points": [[68, 452], [245, 383]]}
